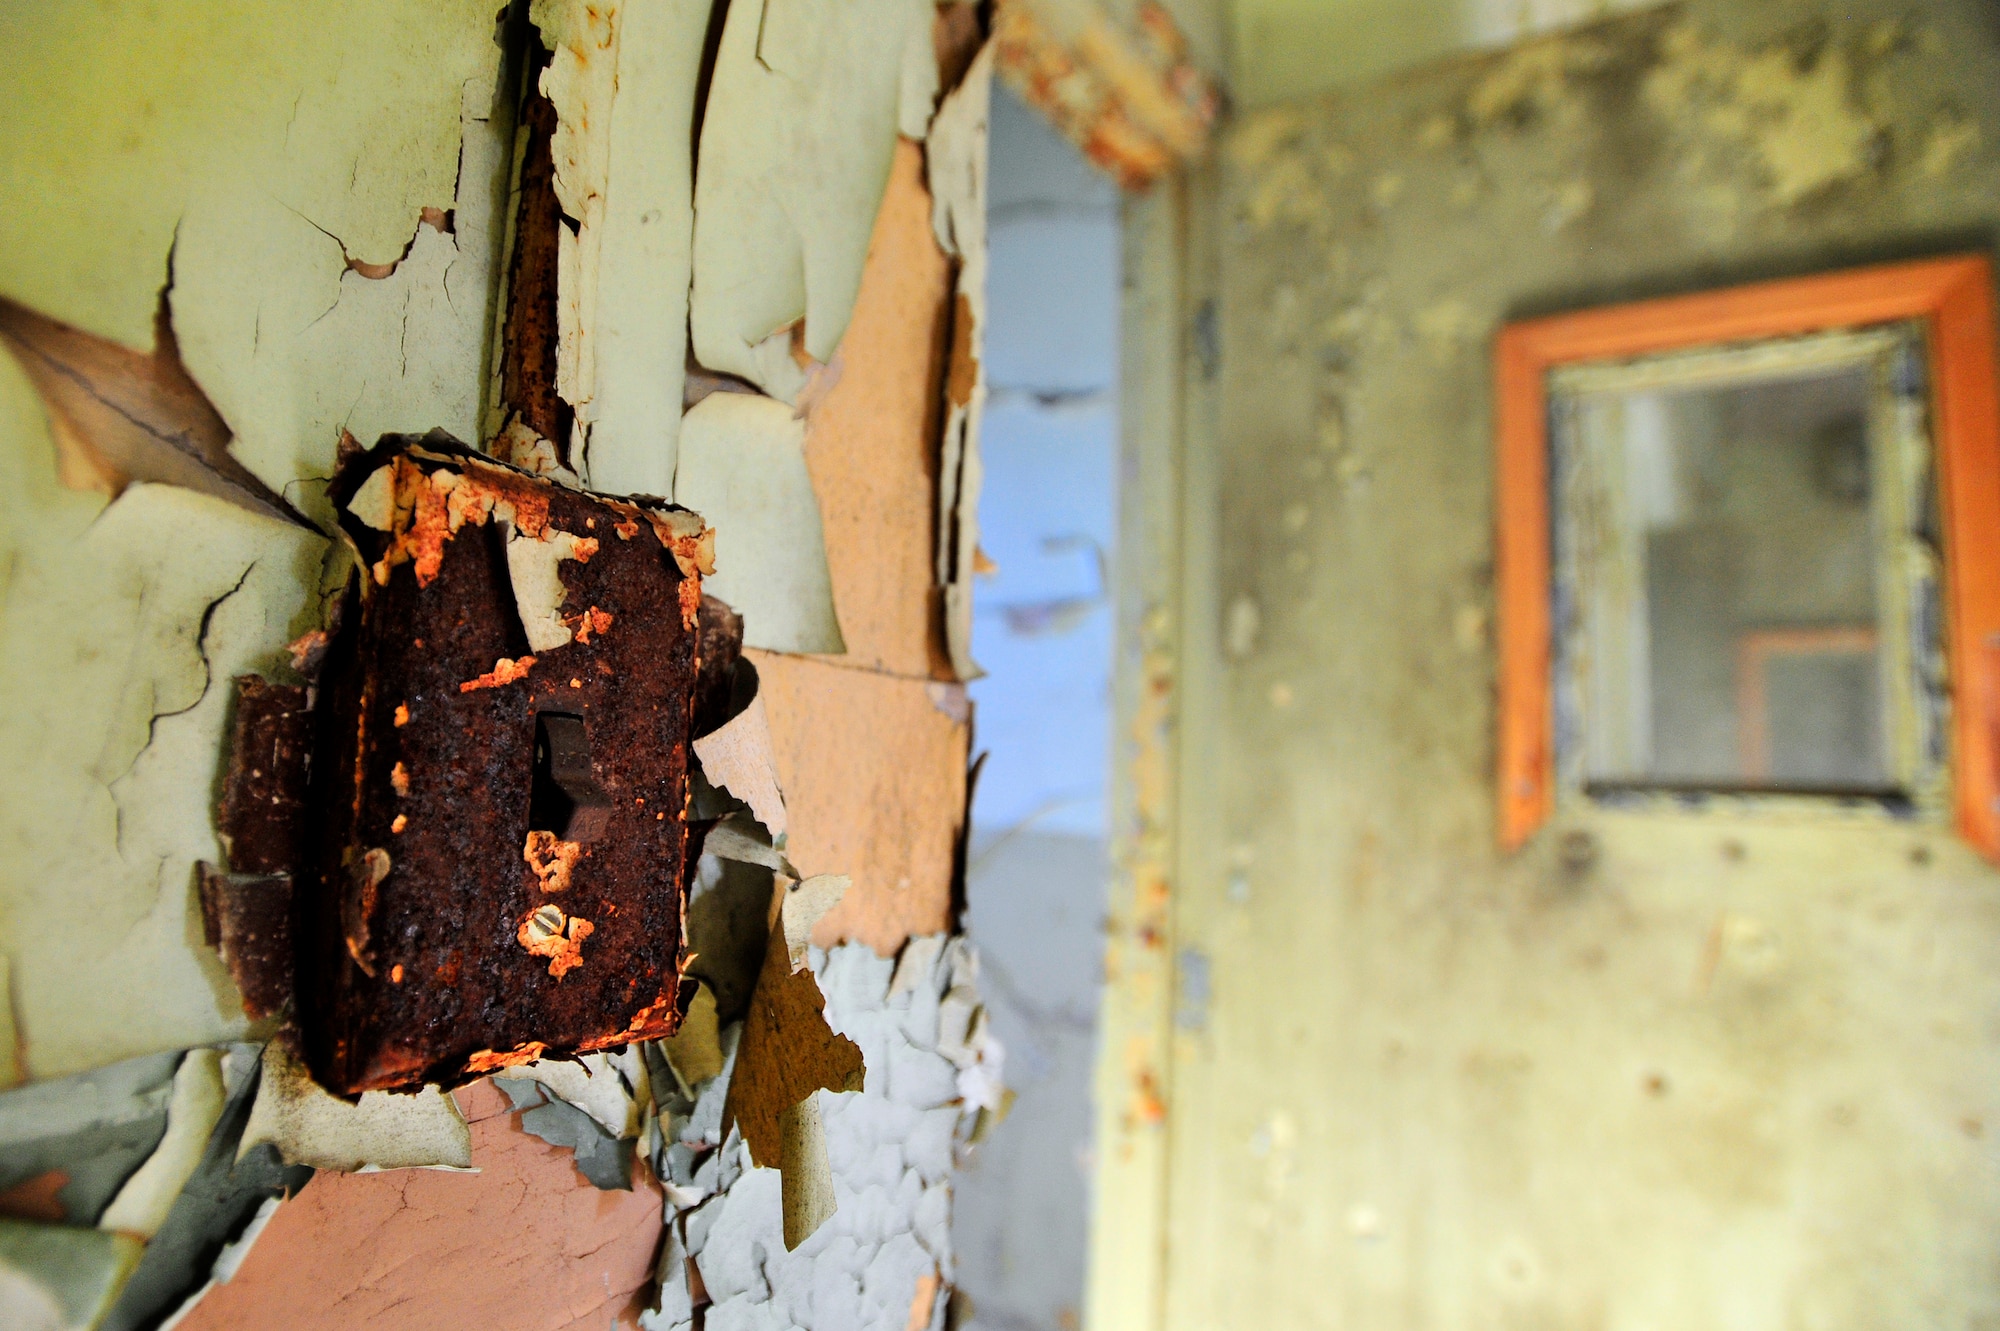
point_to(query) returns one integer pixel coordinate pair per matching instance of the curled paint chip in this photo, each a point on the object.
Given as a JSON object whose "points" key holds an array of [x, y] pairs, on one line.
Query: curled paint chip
{"points": [[534, 568]]}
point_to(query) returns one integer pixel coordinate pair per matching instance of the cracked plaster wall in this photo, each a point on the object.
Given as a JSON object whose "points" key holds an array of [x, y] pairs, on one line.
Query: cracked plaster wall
{"points": [[1722, 1071], [259, 158]]}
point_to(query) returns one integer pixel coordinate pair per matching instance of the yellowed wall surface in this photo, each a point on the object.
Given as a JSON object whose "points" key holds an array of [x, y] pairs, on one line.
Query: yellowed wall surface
{"points": [[1706, 1069], [1280, 49]]}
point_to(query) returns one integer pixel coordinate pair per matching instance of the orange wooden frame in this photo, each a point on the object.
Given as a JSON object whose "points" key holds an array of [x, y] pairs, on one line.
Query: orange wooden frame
{"points": [[1954, 298]]}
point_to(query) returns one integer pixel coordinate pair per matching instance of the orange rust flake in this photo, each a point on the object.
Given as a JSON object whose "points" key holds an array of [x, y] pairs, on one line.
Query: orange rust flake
{"points": [[402, 715], [655, 1020], [505, 671], [399, 822], [692, 544], [306, 647], [399, 778], [588, 624], [492, 1060], [431, 508], [396, 973], [1147, 1106], [547, 932], [552, 859], [627, 529]]}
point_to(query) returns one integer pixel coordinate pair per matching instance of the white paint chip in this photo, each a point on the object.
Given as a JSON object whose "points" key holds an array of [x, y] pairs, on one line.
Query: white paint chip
{"points": [[581, 82], [648, 235], [956, 157], [804, 904], [141, 1206], [534, 569], [743, 468], [382, 1131], [796, 144], [592, 1083]]}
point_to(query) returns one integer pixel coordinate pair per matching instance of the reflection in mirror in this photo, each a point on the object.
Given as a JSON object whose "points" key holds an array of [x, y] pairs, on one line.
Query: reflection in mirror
{"points": [[1736, 539]]}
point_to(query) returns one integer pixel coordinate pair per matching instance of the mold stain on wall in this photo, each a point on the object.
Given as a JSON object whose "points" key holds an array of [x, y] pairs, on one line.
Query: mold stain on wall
{"points": [[1657, 1068]]}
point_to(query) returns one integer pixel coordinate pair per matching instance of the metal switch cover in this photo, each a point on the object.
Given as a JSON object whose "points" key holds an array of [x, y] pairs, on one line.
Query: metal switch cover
{"points": [[496, 826]]}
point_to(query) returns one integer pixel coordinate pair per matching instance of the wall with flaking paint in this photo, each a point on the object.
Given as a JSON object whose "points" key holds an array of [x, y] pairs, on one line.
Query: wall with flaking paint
{"points": [[1703, 1069], [301, 244]]}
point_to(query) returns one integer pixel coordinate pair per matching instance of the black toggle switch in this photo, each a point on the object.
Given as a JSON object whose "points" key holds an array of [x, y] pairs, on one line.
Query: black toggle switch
{"points": [[566, 799]]}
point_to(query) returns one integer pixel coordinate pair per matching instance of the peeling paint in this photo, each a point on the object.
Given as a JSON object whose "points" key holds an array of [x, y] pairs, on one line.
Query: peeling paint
{"points": [[743, 467], [122, 628], [955, 159], [1797, 112], [581, 81], [885, 1250], [796, 143]]}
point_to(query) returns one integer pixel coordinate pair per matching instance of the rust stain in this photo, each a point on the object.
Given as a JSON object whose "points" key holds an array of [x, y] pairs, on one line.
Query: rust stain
{"points": [[692, 544], [432, 507], [492, 1060], [963, 375], [37, 1198]]}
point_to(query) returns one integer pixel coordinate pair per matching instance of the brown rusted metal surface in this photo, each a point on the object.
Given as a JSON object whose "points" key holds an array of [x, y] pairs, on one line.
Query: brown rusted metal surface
{"points": [[264, 793], [529, 337], [248, 919], [720, 630], [433, 946]]}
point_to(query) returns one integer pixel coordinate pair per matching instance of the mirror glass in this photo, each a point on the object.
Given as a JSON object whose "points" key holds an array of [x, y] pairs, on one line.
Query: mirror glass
{"points": [[1729, 526]]}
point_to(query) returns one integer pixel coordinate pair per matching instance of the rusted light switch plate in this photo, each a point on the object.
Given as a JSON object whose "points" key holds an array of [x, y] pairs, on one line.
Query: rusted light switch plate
{"points": [[493, 862]]}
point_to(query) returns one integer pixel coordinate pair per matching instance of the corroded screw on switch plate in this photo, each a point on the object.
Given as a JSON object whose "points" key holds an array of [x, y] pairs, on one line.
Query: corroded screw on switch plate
{"points": [[567, 799]]}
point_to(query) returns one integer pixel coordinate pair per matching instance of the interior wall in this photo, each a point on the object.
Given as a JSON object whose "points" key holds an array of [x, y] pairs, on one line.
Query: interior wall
{"points": [[1280, 49], [1692, 1068]]}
